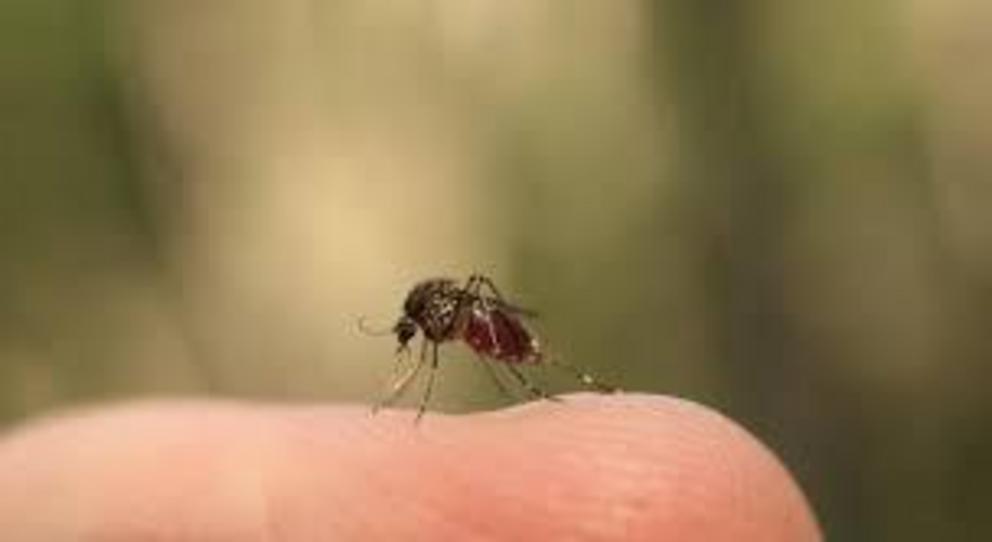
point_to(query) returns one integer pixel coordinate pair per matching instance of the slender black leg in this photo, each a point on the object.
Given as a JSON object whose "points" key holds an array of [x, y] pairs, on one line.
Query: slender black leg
{"points": [[483, 280], [467, 295], [535, 391], [472, 284], [478, 281], [430, 383]]}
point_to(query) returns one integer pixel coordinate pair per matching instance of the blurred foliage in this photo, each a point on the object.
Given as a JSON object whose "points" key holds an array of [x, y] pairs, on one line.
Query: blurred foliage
{"points": [[780, 209]]}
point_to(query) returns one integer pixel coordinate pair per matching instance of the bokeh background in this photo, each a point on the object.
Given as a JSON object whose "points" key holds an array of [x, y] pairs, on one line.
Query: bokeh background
{"points": [[777, 208]]}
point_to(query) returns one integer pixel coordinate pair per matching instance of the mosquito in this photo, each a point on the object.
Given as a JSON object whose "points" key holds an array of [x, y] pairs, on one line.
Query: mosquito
{"points": [[477, 314]]}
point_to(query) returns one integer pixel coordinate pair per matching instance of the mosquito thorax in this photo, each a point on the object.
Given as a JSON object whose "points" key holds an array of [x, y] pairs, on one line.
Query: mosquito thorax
{"points": [[432, 305]]}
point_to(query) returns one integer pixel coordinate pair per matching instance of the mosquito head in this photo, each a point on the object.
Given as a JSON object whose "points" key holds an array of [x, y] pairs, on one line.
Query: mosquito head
{"points": [[405, 329]]}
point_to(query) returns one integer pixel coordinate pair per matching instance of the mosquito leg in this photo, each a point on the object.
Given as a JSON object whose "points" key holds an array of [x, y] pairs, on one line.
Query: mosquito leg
{"points": [[494, 293], [400, 384], [471, 290], [467, 296], [584, 378], [472, 284], [430, 384], [488, 283], [402, 356], [529, 386], [494, 376]]}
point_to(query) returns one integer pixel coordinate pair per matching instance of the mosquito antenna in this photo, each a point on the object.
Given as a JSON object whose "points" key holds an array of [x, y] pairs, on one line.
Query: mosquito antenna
{"points": [[380, 332]]}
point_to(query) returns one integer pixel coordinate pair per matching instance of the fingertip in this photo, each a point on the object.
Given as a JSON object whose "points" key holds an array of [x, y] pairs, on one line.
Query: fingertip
{"points": [[695, 471], [630, 467], [654, 465], [621, 466]]}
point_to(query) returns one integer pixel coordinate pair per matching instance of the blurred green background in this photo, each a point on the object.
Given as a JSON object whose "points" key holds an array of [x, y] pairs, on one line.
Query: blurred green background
{"points": [[780, 209]]}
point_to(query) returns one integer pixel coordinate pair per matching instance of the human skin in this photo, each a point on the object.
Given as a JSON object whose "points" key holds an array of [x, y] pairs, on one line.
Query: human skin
{"points": [[591, 467]]}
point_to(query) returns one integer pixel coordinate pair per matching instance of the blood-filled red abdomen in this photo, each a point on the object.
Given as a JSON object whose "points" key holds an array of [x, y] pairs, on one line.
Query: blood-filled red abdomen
{"points": [[493, 333]]}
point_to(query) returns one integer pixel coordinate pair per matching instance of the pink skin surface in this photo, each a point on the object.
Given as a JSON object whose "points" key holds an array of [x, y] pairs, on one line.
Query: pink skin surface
{"points": [[593, 467]]}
